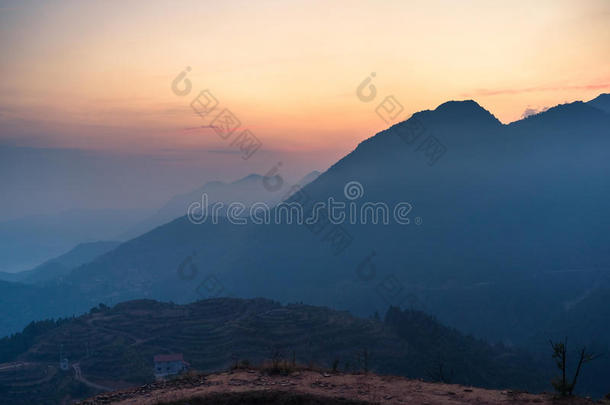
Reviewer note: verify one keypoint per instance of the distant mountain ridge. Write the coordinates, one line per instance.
(62, 265)
(602, 102)
(246, 190)
(30, 241)
(504, 213)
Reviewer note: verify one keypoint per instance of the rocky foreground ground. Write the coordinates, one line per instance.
(309, 387)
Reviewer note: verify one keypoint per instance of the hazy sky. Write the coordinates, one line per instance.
(97, 74)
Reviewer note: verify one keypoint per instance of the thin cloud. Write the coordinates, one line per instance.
(533, 111)
(224, 151)
(497, 92)
(197, 128)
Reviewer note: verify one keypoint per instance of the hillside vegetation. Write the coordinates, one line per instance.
(113, 347)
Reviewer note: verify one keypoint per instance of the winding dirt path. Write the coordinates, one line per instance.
(78, 375)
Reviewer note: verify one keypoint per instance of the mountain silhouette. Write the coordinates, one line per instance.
(602, 102)
(30, 241)
(246, 190)
(508, 219)
(62, 265)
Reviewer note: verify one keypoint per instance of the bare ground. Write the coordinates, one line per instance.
(310, 387)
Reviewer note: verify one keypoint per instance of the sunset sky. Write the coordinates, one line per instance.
(97, 75)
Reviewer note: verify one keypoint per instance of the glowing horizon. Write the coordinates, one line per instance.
(98, 75)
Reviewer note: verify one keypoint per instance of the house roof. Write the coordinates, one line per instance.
(161, 358)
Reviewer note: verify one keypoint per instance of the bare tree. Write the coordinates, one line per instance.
(560, 355)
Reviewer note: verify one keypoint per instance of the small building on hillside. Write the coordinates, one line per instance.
(169, 364)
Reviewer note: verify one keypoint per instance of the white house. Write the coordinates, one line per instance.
(169, 364)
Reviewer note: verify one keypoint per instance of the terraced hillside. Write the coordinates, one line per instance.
(113, 348)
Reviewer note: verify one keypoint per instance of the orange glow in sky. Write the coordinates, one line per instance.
(98, 74)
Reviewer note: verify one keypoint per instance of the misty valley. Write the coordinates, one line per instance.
(304, 203)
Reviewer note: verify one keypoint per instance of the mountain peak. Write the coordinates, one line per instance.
(601, 102)
(465, 110)
(463, 104)
(602, 96)
(253, 177)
